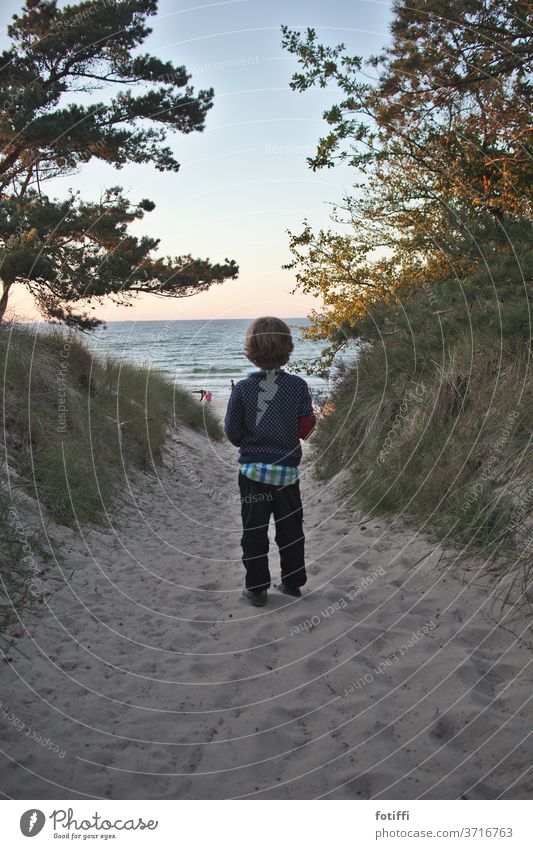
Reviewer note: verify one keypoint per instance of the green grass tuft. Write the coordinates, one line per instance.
(61, 407)
(434, 420)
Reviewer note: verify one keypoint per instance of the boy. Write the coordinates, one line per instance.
(267, 414)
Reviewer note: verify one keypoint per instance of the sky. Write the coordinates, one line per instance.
(244, 181)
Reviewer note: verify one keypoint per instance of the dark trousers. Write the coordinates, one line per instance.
(258, 502)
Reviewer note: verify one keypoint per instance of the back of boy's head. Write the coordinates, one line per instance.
(268, 343)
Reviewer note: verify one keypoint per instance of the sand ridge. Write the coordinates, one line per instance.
(388, 679)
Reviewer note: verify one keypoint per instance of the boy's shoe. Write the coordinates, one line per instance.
(256, 597)
(288, 590)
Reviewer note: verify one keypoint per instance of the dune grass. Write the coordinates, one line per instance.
(62, 407)
(434, 421)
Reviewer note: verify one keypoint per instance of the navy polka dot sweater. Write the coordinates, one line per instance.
(262, 417)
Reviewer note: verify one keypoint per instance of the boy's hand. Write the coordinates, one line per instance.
(306, 425)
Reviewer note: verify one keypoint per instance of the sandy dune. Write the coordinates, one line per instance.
(153, 678)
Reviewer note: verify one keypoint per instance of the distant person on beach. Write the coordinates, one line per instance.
(268, 412)
(208, 396)
(231, 386)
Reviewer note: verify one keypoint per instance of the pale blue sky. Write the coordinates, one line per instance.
(244, 181)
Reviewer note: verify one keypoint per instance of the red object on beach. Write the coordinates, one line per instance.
(306, 425)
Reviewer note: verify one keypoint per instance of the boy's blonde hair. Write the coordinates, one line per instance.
(268, 342)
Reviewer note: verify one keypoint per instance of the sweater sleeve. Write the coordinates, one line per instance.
(234, 421)
(306, 405)
(306, 416)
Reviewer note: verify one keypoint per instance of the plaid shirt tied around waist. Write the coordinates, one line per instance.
(270, 473)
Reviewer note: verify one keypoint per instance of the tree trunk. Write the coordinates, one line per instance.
(4, 298)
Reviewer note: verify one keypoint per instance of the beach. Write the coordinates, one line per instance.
(319, 216)
(144, 673)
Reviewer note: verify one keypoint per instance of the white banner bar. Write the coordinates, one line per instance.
(267, 824)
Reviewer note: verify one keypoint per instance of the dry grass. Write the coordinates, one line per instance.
(61, 408)
(438, 430)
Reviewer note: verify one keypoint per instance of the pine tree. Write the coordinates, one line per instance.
(68, 252)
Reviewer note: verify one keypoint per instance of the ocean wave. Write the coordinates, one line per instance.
(214, 370)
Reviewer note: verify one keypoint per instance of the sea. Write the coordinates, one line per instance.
(201, 354)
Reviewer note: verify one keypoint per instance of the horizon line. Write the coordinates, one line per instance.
(152, 320)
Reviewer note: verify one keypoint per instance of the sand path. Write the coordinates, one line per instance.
(388, 679)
